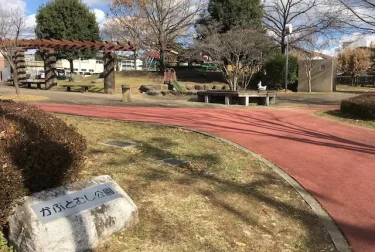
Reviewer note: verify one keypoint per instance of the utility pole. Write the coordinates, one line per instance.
(289, 31)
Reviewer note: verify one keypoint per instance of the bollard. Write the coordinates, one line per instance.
(125, 93)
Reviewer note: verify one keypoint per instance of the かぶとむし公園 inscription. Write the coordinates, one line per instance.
(73, 203)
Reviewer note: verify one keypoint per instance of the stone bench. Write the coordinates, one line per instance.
(29, 82)
(240, 97)
(84, 87)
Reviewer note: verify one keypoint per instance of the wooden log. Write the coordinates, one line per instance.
(109, 72)
(21, 66)
(50, 70)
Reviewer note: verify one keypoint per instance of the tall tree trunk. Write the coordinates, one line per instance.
(116, 61)
(309, 80)
(283, 44)
(162, 60)
(16, 82)
(135, 60)
(71, 66)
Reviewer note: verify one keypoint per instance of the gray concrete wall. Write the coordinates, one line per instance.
(322, 76)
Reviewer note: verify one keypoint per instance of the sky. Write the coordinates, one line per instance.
(30, 8)
(100, 8)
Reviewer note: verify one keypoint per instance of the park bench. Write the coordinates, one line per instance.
(29, 82)
(84, 87)
(240, 97)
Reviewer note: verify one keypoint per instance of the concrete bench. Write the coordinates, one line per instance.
(84, 87)
(240, 97)
(29, 82)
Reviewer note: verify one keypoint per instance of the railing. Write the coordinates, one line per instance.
(363, 80)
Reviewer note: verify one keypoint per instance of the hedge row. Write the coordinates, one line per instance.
(362, 106)
(38, 150)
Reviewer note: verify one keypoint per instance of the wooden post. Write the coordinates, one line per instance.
(50, 70)
(21, 66)
(109, 72)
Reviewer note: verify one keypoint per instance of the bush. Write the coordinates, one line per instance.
(275, 69)
(362, 106)
(38, 150)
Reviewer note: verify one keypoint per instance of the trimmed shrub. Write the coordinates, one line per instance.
(275, 68)
(362, 106)
(38, 150)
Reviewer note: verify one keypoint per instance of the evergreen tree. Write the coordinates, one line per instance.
(230, 13)
(67, 19)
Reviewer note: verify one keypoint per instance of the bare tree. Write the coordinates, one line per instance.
(310, 51)
(12, 28)
(307, 16)
(241, 48)
(157, 23)
(359, 15)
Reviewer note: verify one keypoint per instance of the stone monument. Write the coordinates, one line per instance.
(76, 217)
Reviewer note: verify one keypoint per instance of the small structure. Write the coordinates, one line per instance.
(49, 47)
(170, 78)
(237, 97)
(323, 75)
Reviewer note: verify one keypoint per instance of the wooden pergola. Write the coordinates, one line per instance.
(50, 46)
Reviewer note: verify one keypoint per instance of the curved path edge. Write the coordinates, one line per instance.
(332, 162)
(335, 233)
(333, 230)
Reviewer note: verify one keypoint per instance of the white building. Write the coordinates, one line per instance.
(89, 65)
(129, 65)
(97, 65)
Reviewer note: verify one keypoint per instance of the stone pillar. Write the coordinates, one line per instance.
(50, 69)
(109, 72)
(21, 66)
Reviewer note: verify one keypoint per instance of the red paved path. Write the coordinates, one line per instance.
(335, 162)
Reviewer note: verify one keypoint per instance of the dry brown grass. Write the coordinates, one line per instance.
(348, 88)
(337, 115)
(120, 79)
(224, 200)
(124, 78)
(22, 97)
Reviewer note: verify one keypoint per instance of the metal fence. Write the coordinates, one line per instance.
(363, 80)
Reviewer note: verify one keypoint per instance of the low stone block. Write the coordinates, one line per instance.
(154, 92)
(76, 217)
(207, 87)
(146, 88)
(198, 87)
(189, 87)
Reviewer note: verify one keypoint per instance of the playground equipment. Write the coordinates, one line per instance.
(170, 78)
(152, 60)
(151, 63)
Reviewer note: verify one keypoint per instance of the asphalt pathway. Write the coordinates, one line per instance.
(333, 161)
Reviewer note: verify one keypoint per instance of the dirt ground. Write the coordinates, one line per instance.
(138, 99)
